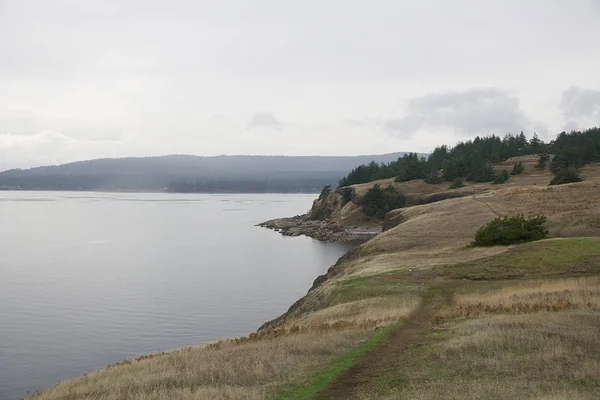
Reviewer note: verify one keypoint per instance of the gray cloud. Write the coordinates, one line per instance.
(19, 122)
(362, 123)
(265, 119)
(479, 111)
(580, 107)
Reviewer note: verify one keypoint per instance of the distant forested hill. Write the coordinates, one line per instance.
(185, 173)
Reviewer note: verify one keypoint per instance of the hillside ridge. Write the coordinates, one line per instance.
(187, 173)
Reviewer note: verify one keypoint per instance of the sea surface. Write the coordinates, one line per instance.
(90, 279)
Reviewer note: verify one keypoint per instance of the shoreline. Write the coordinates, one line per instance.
(325, 231)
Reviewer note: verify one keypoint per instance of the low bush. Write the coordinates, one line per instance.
(325, 192)
(433, 179)
(347, 196)
(501, 178)
(563, 176)
(518, 168)
(377, 202)
(456, 183)
(541, 164)
(511, 230)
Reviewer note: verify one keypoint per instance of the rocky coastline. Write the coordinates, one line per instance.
(326, 231)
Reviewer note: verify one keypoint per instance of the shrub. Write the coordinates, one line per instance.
(325, 192)
(541, 164)
(433, 179)
(378, 202)
(456, 183)
(502, 178)
(518, 168)
(511, 230)
(347, 196)
(567, 175)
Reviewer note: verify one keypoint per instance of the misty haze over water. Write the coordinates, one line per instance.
(89, 279)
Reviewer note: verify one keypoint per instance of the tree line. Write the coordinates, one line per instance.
(474, 159)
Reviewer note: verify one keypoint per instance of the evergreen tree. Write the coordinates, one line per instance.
(541, 164)
(501, 178)
(536, 146)
(474, 159)
(518, 168)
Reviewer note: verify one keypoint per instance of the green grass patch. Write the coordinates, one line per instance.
(335, 368)
(355, 289)
(360, 289)
(557, 257)
(372, 278)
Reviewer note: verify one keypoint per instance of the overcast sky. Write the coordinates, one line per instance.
(88, 79)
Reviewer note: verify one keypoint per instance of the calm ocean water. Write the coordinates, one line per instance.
(89, 279)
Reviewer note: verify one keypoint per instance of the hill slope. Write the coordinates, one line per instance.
(185, 173)
(351, 213)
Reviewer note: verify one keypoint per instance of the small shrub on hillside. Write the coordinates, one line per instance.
(347, 196)
(325, 192)
(433, 179)
(511, 230)
(377, 202)
(502, 178)
(541, 164)
(456, 183)
(393, 198)
(518, 168)
(563, 176)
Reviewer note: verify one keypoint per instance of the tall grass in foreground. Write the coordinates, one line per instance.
(536, 296)
(536, 339)
(528, 356)
(335, 368)
(229, 371)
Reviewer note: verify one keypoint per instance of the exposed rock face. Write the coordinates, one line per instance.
(321, 230)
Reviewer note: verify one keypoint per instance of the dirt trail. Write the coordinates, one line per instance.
(487, 205)
(389, 352)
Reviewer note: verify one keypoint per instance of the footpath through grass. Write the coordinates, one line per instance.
(335, 368)
(549, 259)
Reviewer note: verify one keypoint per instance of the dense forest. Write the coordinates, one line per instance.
(474, 160)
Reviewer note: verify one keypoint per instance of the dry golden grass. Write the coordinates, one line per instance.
(544, 356)
(380, 310)
(431, 234)
(572, 209)
(525, 340)
(226, 371)
(535, 296)
(532, 177)
(437, 233)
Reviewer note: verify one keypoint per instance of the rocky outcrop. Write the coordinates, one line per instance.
(321, 230)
